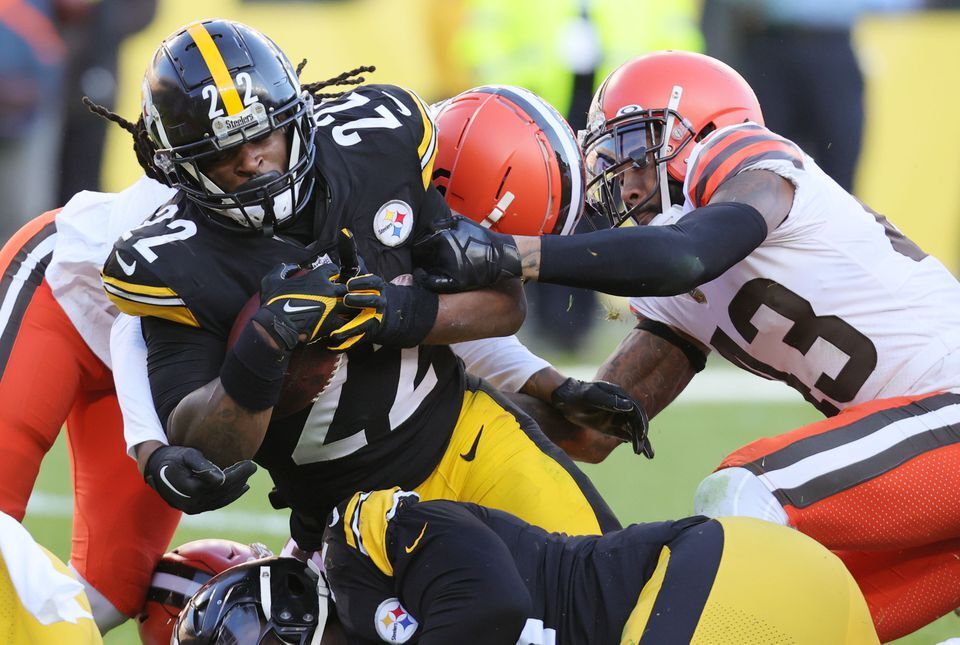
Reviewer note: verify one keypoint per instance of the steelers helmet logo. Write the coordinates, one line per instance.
(393, 623)
(393, 223)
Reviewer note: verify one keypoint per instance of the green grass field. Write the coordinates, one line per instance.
(689, 438)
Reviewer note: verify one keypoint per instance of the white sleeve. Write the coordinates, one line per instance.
(503, 361)
(129, 352)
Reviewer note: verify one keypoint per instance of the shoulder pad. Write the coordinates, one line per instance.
(379, 110)
(130, 276)
(728, 151)
(365, 520)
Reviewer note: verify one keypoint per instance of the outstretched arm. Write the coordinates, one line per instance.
(637, 261)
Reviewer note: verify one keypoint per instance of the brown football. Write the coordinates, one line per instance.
(309, 372)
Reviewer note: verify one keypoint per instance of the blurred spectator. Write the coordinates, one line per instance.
(93, 32)
(799, 59)
(31, 66)
(562, 49)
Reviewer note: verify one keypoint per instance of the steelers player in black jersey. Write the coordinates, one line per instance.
(438, 572)
(267, 181)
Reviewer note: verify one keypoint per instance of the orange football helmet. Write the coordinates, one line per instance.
(179, 574)
(508, 160)
(683, 94)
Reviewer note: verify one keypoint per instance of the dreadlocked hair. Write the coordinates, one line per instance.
(351, 77)
(144, 149)
(142, 146)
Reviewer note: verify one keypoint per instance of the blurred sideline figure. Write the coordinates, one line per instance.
(560, 51)
(31, 75)
(93, 39)
(746, 247)
(799, 59)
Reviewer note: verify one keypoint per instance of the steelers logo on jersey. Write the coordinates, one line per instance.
(394, 624)
(393, 223)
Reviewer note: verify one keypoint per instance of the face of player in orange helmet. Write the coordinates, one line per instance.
(644, 122)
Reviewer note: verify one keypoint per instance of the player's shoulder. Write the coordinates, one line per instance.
(728, 151)
(360, 523)
(142, 282)
(386, 126)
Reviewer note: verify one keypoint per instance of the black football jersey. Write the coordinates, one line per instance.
(388, 414)
(399, 568)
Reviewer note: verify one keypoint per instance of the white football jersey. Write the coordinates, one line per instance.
(836, 302)
(87, 227)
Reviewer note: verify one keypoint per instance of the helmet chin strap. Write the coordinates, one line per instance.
(323, 609)
(672, 106)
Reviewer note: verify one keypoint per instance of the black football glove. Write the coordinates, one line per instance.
(187, 481)
(366, 293)
(463, 256)
(368, 310)
(302, 304)
(604, 407)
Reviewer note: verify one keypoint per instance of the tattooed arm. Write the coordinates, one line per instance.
(652, 365)
(184, 364)
(650, 368)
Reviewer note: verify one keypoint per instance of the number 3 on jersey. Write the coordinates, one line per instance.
(805, 332)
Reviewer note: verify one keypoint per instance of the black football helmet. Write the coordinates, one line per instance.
(271, 601)
(212, 86)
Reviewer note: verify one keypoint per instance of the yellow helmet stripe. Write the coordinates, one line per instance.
(218, 69)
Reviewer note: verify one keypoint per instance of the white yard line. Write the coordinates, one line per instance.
(276, 523)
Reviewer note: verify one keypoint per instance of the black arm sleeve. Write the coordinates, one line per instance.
(655, 260)
(459, 579)
(180, 359)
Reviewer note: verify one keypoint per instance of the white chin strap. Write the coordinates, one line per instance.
(283, 203)
(667, 217)
(672, 106)
(323, 602)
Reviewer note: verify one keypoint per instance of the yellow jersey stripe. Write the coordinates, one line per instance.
(218, 68)
(178, 314)
(141, 289)
(427, 150)
(637, 621)
(348, 520)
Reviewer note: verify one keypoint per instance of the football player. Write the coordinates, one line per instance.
(40, 599)
(765, 259)
(266, 177)
(54, 369)
(449, 572)
(180, 574)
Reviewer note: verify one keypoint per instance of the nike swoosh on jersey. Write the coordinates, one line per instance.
(471, 454)
(163, 476)
(127, 268)
(334, 517)
(409, 549)
(292, 309)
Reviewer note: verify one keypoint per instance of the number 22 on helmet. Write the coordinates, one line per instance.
(508, 160)
(652, 110)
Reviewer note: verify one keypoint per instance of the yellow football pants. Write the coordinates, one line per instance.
(771, 585)
(495, 460)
